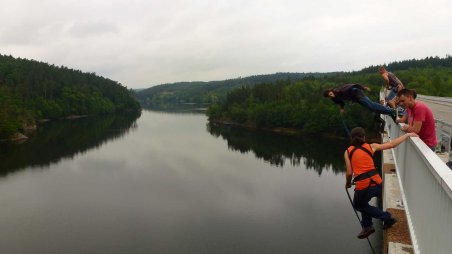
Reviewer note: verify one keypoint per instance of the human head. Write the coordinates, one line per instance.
(328, 93)
(406, 97)
(382, 70)
(358, 136)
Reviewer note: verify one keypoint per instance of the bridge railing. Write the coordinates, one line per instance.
(426, 186)
(444, 136)
(443, 128)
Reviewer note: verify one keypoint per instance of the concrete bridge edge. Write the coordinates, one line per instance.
(396, 240)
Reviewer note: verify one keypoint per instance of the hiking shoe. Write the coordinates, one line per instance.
(389, 222)
(366, 232)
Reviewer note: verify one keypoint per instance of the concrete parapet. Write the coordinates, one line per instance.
(396, 240)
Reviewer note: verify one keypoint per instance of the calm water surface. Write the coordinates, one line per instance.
(170, 183)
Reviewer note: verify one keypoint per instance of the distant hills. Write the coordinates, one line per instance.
(211, 91)
(214, 91)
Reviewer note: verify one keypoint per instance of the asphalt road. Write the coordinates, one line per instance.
(441, 107)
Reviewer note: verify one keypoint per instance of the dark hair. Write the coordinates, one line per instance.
(407, 92)
(326, 92)
(358, 136)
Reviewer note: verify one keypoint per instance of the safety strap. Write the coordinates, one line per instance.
(366, 175)
(350, 154)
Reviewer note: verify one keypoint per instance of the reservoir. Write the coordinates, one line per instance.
(168, 182)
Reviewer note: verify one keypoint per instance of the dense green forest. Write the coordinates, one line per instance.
(32, 90)
(215, 91)
(300, 105)
(208, 92)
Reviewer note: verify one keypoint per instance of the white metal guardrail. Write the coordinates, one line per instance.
(426, 186)
(444, 136)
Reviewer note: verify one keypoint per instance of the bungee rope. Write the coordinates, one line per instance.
(345, 127)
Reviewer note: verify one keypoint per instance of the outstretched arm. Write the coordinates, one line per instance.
(392, 143)
(362, 87)
(341, 104)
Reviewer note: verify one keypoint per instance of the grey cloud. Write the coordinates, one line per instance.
(141, 43)
(86, 29)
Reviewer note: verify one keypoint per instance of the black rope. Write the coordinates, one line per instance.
(345, 127)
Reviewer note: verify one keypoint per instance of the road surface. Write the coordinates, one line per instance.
(441, 107)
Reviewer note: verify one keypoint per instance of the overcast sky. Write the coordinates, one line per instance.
(141, 43)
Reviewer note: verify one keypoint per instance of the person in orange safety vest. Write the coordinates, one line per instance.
(360, 165)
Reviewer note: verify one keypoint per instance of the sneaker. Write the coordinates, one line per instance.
(389, 222)
(366, 232)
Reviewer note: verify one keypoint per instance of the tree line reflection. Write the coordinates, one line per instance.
(57, 140)
(315, 153)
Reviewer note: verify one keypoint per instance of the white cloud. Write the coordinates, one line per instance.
(141, 43)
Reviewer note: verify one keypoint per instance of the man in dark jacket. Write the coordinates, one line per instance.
(355, 93)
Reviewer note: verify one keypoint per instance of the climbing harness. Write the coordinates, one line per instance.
(367, 174)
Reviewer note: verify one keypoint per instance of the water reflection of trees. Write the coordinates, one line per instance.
(57, 140)
(314, 152)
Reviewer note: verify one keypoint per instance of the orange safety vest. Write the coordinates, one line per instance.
(362, 162)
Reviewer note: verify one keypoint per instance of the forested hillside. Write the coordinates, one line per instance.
(215, 91)
(32, 90)
(209, 92)
(300, 104)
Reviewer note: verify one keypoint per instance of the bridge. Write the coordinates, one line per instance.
(418, 187)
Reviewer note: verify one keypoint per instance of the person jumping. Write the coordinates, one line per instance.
(355, 93)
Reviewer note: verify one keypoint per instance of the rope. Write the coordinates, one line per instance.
(345, 127)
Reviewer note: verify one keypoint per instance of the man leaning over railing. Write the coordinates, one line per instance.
(419, 118)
